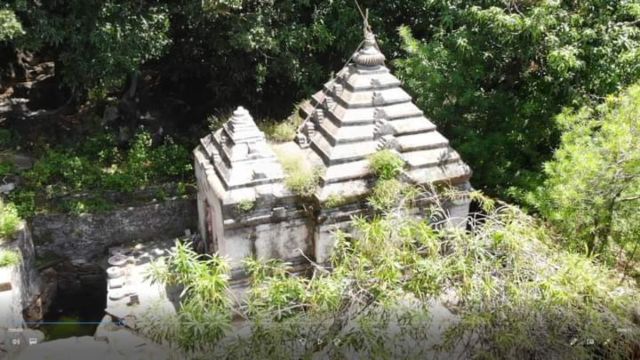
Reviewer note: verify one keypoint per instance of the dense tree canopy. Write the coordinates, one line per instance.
(592, 190)
(494, 74)
(540, 97)
(491, 74)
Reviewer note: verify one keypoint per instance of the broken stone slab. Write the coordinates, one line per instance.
(114, 272)
(116, 283)
(118, 260)
(120, 293)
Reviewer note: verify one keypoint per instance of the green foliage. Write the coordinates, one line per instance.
(386, 194)
(513, 289)
(301, 179)
(269, 54)
(205, 312)
(386, 164)
(334, 201)
(98, 165)
(7, 168)
(245, 206)
(592, 191)
(9, 220)
(96, 43)
(10, 26)
(559, 304)
(494, 74)
(25, 202)
(279, 132)
(9, 258)
(562, 304)
(282, 131)
(89, 205)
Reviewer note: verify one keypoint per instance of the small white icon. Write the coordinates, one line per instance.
(33, 341)
(15, 342)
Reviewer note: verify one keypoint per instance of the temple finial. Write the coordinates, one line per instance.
(369, 55)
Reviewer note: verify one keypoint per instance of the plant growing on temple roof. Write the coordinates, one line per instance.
(386, 194)
(335, 200)
(386, 164)
(245, 206)
(300, 177)
(282, 131)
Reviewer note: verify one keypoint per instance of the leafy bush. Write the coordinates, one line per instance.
(10, 26)
(98, 165)
(9, 258)
(24, 201)
(493, 75)
(111, 40)
(592, 192)
(89, 205)
(9, 220)
(282, 131)
(7, 168)
(513, 289)
(386, 194)
(205, 312)
(279, 132)
(386, 164)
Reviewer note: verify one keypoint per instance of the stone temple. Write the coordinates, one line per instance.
(245, 208)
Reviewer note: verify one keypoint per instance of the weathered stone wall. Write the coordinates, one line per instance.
(88, 236)
(20, 284)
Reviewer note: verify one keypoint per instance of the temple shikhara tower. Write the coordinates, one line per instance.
(245, 208)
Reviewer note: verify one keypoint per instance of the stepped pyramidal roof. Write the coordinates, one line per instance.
(240, 154)
(363, 110)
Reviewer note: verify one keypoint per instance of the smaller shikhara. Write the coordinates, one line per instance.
(285, 201)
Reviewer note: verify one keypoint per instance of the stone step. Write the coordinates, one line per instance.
(359, 81)
(351, 117)
(428, 158)
(346, 134)
(422, 141)
(347, 171)
(351, 188)
(365, 98)
(450, 173)
(341, 153)
(402, 111)
(414, 125)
